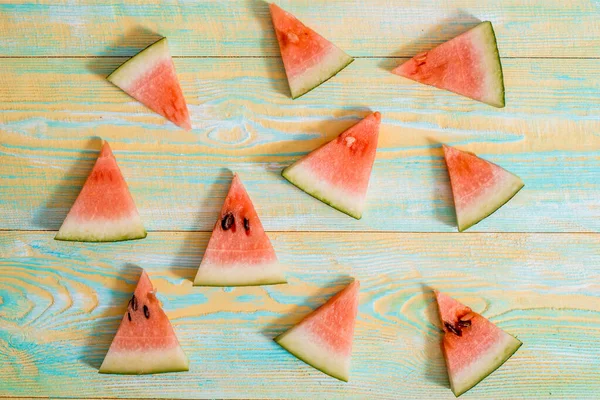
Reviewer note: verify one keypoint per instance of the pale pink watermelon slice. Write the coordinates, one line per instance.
(309, 59)
(323, 339)
(239, 252)
(479, 187)
(338, 173)
(150, 78)
(104, 210)
(473, 346)
(145, 342)
(468, 65)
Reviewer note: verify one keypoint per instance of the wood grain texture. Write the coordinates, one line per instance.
(536, 28)
(53, 112)
(61, 303)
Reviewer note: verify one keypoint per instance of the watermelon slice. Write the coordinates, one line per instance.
(479, 187)
(468, 65)
(104, 210)
(145, 342)
(473, 346)
(324, 338)
(338, 173)
(150, 78)
(239, 252)
(309, 59)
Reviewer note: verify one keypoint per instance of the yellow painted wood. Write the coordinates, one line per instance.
(62, 302)
(535, 28)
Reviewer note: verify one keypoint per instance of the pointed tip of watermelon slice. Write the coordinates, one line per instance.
(106, 151)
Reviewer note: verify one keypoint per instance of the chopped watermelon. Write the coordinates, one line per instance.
(479, 187)
(468, 65)
(473, 346)
(338, 173)
(239, 252)
(104, 210)
(323, 339)
(150, 78)
(145, 342)
(309, 59)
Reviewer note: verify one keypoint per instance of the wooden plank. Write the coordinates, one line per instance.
(536, 28)
(61, 303)
(53, 111)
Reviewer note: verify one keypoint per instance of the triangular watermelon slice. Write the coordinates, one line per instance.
(239, 252)
(473, 346)
(150, 78)
(468, 65)
(145, 342)
(479, 187)
(323, 339)
(104, 210)
(338, 173)
(309, 59)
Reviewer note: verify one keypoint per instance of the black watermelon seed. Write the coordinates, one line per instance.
(129, 316)
(146, 312)
(453, 329)
(227, 221)
(464, 324)
(246, 224)
(133, 303)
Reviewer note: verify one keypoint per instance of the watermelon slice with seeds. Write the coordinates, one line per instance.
(323, 339)
(479, 187)
(338, 173)
(150, 78)
(145, 342)
(104, 211)
(468, 65)
(309, 59)
(239, 252)
(473, 346)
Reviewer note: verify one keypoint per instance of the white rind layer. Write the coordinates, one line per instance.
(332, 63)
(309, 348)
(484, 39)
(126, 75)
(304, 177)
(101, 230)
(485, 364)
(145, 362)
(239, 274)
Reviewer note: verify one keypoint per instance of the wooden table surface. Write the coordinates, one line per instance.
(533, 267)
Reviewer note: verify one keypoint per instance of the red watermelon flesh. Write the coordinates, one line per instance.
(479, 187)
(145, 342)
(473, 346)
(104, 210)
(338, 173)
(468, 65)
(324, 338)
(239, 252)
(309, 59)
(150, 78)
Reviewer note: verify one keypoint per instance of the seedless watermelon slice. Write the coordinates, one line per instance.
(468, 65)
(338, 173)
(479, 187)
(145, 342)
(104, 210)
(309, 59)
(324, 338)
(473, 346)
(239, 252)
(150, 78)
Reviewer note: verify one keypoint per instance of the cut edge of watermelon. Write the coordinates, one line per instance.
(302, 177)
(130, 228)
(153, 362)
(240, 275)
(332, 64)
(306, 346)
(496, 94)
(484, 366)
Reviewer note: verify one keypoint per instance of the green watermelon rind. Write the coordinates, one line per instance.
(506, 355)
(279, 340)
(506, 199)
(501, 100)
(157, 371)
(336, 71)
(127, 70)
(318, 196)
(72, 236)
(183, 365)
